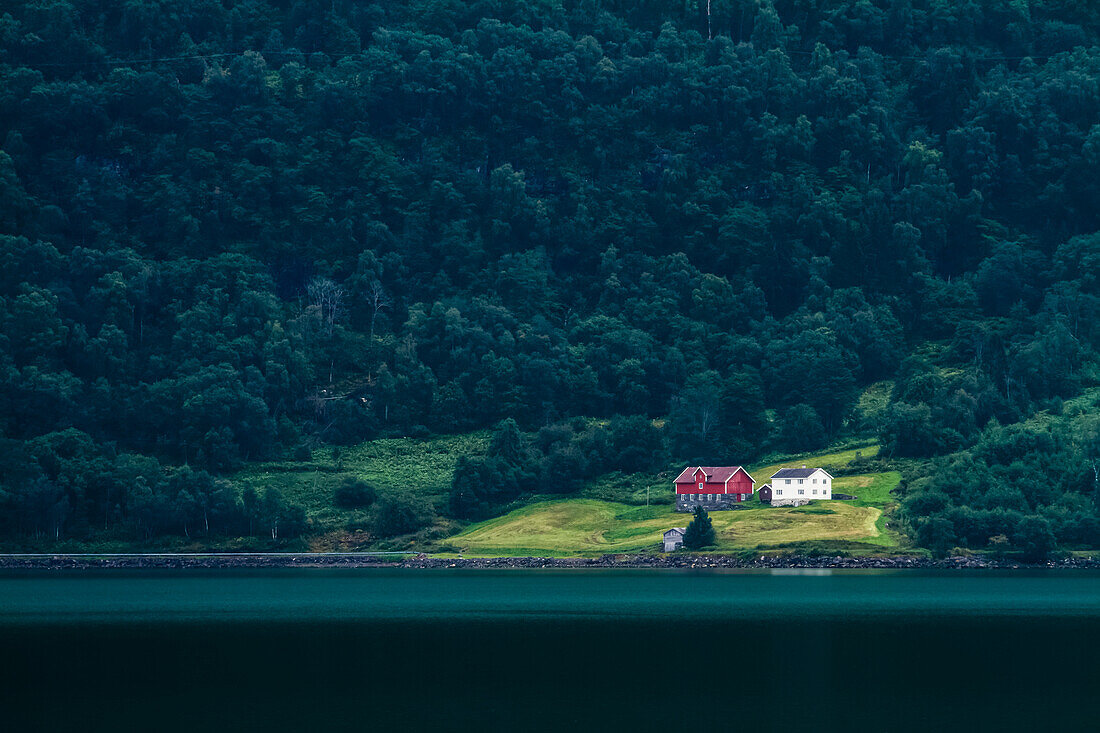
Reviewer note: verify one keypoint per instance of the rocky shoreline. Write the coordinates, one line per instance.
(352, 560)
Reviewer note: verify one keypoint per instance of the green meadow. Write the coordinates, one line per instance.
(392, 465)
(594, 527)
(613, 513)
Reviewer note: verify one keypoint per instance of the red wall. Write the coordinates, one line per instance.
(708, 488)
(739, 484)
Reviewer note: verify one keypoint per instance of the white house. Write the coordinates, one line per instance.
(674, 539)
(797, 486)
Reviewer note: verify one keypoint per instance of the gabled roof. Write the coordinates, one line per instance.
(715, 474)
(765, 486)
(681, 530)
(799, 472)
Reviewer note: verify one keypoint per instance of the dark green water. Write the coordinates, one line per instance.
(317, 650)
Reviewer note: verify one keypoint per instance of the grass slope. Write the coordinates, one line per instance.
(389, 464)
(608, 515)
(834, 462)
(585, 526)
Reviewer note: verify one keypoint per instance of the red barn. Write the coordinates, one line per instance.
(712, 487)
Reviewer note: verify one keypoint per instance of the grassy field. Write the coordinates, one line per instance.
(594, 527)
(832, 462)
(388, 464)
(608, 515)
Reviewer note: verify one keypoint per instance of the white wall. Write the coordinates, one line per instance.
(818, 481)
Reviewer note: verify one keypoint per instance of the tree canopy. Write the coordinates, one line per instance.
(231, 230)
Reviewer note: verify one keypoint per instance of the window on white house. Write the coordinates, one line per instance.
(779, 492)
(801, 491)
(801, 481)
(815, 492)
(815, 481)
(788, 481)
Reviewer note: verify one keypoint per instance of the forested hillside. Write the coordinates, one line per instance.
(236, 230)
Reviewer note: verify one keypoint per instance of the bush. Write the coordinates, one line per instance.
(398, 515)
(303, 453)
(1034, 538)
(637, 444)
(292, 522)
(937, 533)
(563, 471)
(354, 493)
(801, 430)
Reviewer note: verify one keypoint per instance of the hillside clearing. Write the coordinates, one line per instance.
(831, 462)
(591, 526)
(608, 515)
(393, 465)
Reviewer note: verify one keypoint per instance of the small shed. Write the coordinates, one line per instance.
(674, 539)
(765, 494)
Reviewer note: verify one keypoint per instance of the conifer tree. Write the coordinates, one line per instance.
(700, 533)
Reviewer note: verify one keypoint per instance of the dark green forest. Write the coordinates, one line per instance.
(236, 230)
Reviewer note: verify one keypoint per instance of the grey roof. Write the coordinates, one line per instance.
(681, 530)
(795, 472)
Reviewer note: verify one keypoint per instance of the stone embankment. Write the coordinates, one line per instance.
(674, 561)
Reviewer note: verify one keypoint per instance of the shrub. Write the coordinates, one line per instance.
(801, 429)
(1034, 538)
(398, 514)
(354, 493)
(563, 471)
(293, 522)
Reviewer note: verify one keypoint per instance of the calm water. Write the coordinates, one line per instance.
(363, 650)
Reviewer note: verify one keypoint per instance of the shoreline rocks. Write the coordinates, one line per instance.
(676, 561)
